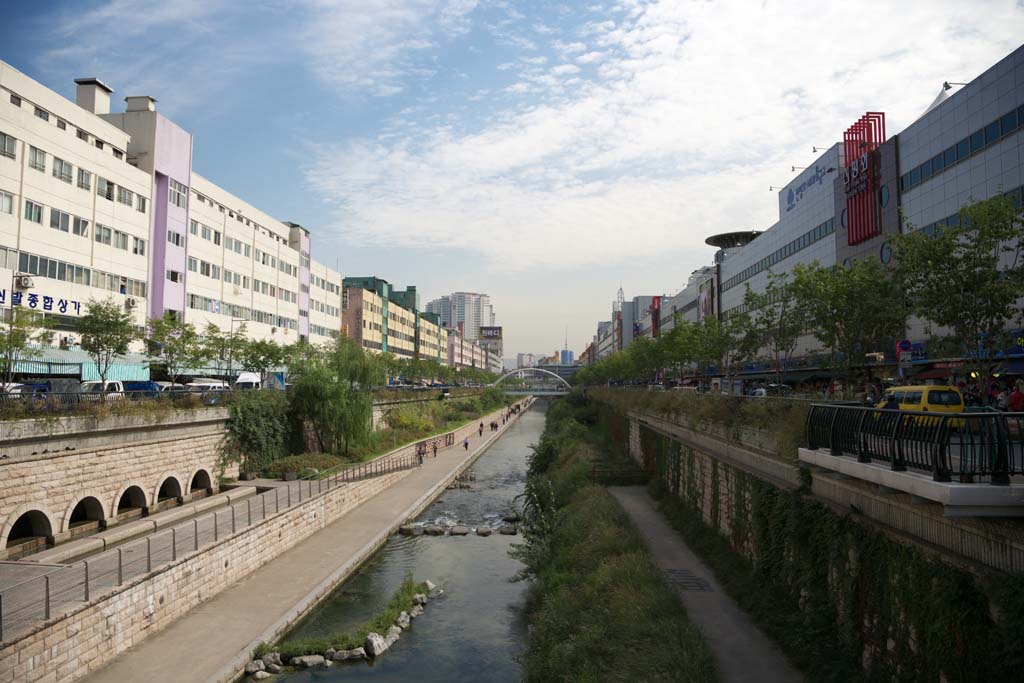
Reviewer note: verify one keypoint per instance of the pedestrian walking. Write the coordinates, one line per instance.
(435, 449)
(465, 444)
(419, 454)
(1016, 401)
(481, 429)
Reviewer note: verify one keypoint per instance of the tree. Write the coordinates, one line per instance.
(333, 393)
(177, 343)
(969, 277)
(852, 311)
(718, 342)
(106, 330)
(261, 355)
(24, 328)
(775, 322)
(223, 346)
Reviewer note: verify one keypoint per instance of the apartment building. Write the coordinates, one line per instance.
(97, 205)
(380, 318)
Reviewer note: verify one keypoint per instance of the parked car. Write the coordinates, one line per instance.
(926, 398)
(141, 389)
(95, 389)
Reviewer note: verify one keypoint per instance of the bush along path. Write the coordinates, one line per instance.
(599, 608)
(368, 641)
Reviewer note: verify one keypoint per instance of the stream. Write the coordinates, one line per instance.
(476, 629)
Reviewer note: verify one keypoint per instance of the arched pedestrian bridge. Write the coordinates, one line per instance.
(541, 383)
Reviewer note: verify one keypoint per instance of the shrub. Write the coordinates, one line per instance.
(257, 429)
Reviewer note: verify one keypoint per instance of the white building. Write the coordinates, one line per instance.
(98, 205)
(471, 309)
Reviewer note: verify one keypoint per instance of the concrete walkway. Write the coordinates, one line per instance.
(741, 652)
(214, 640)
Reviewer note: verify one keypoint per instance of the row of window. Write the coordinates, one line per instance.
(322, 331)
(204, 303)
(237, 216)
(1016, 194)
(324, 284)
(62, 170)
(79, 275)
(321, 307)
(235, 245)
(970, 145)
(65, 222)
(203, 268)
(800, 243)
(81, 134)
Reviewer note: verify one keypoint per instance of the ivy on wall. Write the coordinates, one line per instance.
(845, 601)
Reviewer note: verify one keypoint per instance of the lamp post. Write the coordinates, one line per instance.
(231, 346)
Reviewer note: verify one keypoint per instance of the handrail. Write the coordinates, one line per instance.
(966, 447)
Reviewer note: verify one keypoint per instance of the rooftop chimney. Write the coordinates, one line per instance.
(93, 95)
(140, 103)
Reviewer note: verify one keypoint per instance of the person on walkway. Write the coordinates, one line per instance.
(1016, 402)
(435, 449)
(419, 454)
(481, 429)
(465, 443)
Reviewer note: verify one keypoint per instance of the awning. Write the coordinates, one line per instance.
(1013, 366)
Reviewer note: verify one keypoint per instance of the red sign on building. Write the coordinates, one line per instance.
(860, 177)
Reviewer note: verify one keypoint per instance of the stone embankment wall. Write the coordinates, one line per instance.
(809, 554)
(50, 466)
(70, 646)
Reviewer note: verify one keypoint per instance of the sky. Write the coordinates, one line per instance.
(542, 152)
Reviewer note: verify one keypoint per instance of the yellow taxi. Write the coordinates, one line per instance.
(926, 398)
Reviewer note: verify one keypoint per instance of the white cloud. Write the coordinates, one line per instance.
(695, 110)
(565, 69)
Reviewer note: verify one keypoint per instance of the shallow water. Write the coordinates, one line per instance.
(475, 630)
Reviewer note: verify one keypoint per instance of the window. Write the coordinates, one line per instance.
(120, 240)
(103, 234)
(62, 170)
(80, 227)
(138, 246)
(216, 237)
(140, 203)
(991, 132)
(193, 264)
(177, 194)
(7, 147)
(125, 196)
(104, 188)
(247, 250)
(82, 135)
(175, 276)
(60, 220)
(15, 100)
(193, 228)
(6, 203)
(84, 179)
(37, 158)
(938, 397)
(33, 212)
(43, 114)
(175, 238)
(99, 144)
(977, 140)
(118, 154)
(61, 124)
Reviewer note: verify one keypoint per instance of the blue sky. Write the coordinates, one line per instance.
(543, 152)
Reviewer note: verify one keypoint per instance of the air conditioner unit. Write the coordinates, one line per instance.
(237, 291)
(273, 330)
(24, 282)
(131, 302)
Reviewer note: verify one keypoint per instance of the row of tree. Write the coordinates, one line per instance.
(107, 330)
(965, 280)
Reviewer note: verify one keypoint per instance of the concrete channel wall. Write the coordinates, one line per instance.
(994, 543)
(81, 641)
(50, 466)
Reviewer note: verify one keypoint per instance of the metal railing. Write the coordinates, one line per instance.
(969, 447)
(37, 599)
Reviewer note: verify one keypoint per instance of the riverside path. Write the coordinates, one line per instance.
(742, 653)
(215, 640)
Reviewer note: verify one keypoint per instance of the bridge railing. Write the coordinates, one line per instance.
(968, 447)
(42, 597)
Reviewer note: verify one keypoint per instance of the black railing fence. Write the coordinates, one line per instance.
(966, 447)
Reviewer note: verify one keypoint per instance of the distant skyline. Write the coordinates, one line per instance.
(541, 152)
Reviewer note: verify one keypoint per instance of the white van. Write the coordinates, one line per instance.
(248, 380)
